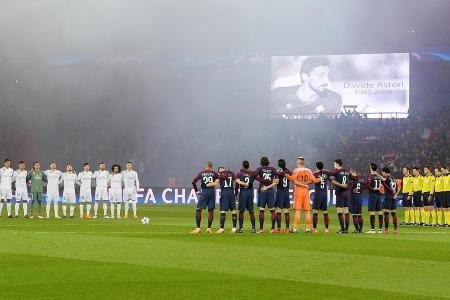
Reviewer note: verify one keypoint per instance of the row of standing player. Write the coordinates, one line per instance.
(348, 188)
(115, 187)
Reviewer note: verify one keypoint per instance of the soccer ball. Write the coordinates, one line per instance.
(145, 220)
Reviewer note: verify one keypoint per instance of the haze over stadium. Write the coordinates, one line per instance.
(162, 88)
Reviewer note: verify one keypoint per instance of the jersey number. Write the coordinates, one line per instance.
(207, 179)
(228, 183)
(377, 184)
(267, 176)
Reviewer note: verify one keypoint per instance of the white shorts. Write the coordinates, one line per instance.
(101, 193)
(130, 195)
(22, 195)
(115, 196)
(5, 194)
(85, 196)
(52, 196)
(69, 198)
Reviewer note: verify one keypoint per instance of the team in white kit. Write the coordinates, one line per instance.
(114, 188)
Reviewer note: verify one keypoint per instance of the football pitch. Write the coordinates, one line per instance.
(123, 259)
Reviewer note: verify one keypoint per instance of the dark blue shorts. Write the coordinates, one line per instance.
(438, 199)
(283, 200)
(266, 198)
(374, 202)
(342, 199)
(426, 201)
(227, 201)
(389, 203)
(320, 201)
(356, 204)
(445, 200)
(246, 200)
(405, 201)
(417, 199)
(207, 199)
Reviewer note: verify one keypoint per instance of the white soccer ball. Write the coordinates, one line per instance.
(145, 220)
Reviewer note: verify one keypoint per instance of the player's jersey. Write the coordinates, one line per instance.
(417, 183)
(373, 184)
(53, 177)
(20, 177)
(206, 177)
(357, 186)
(130, 179)
(439, 184)
(321, 186)
(247, 177)
(37, 181)
(266, 175)
(68, 180)
(85, 180)
(283, 184)
(447, 183)
(227, 184)
(6, 178)
(390, 186)
(116, 181)
(407, 185)
(342, 176)
(101, 178)
(428, 184)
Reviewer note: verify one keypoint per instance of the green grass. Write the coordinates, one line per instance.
(123, 259)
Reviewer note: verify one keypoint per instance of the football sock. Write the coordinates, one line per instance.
(261, 219)
(417, 216)
(198, 217)
(234, 219)
(112, 209)
(105, 208)
(16, 208)
(380, 221)
(47, 209)
(88, 209)
(241, 219)
(64, 209)
(273, 218)
(372, 222)
(308, 219)
(8, 208)
(425, 216)
(72, 208)
(39, 207)
(210, 218)
(386, 220)
(315, 220)
(279, 220)
(341, 221)
(252, 219)
(222, 219)
(133, 205)
(394, 219)
(326, 220)
(296, 218)
(287, 219)
(127, 207)
(81, 209)
(1, 207)
(406, 216)
(95, 208)
(25, 208)
(447, 217)
(355, 221)
(360, 222)
(347, 221)
(439, 217)
(433, 216)
(119, 207)
(55, 208)
(412, 216)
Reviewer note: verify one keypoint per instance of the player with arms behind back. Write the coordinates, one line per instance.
(244, 190)
(6, 177)
(407, 193)
(53, 176)
(207, 198)
(115, 180)
(131, 186)
(21, 195)
(101, 189)
(68, 179)
(85, 181)
(357, 186)
(320, 201)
